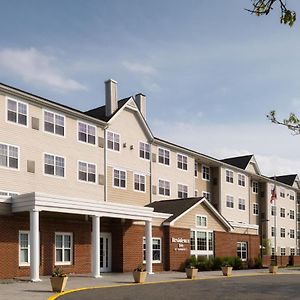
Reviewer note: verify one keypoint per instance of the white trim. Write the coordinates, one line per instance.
(207, 193)
(255, 193)
(63, 262)
(243, 176)
(183, 155)
(24, 264)
(163, 164)
(209, 173)
(55, 176)
(196, 221)
(120, 141)
(87, 173)
(242, 210)
(55, 113)
(230, 177)
(243, 225)
(284, 213)
(6, 112)
(96, 133)
(255, 203)
(138, 147)
(133, 180)
(187, 190)
(19, 157)
(160, 250)
(232, 201)
(113, 179)
(165, 180)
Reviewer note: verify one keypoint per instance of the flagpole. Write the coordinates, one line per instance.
(275, 221)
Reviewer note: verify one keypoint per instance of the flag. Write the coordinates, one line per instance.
(273, 194)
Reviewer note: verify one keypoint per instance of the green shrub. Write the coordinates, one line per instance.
(258, 263)
(236, 263)
(217, 263)
(192, 262)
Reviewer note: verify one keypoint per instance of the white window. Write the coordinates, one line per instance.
(113, 141)
(54, 165)
(282, 232)
(144, 150)
(196, 169)
(272, 251)
(241, 250)
(282, 251)
(86, 133)
(292, 214)
(24, 248)
(9, 156)
(206, 195)
(273, 210)
(255, 187)
(205, 173)
(182, 191)
(282, 212)
(292, 250)
(201, 243)
(139, 182)
(164, 156)
(229, 201)
(242, 204)
(156, 250)
(229, 176)
(119, 178)
(8, 194)
(292, 197)
(164, 187)
(54, 123)
(63, 248)
(241, 180)
(292, 233)
(86, 172)
(282, 193)
(273, 231)
(201, 221)
(255, 209)
(17, 112)
(181, 162)
(196, 193)
(298, 251)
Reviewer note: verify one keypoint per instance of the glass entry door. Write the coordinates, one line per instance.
(105, 252)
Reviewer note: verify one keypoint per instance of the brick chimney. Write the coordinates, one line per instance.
(111, 100)
(140, 100)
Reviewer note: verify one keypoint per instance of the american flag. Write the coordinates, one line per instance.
(273, 194)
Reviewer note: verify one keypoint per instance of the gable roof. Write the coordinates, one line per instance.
(238, 161)
(178, 207)
(286, 179)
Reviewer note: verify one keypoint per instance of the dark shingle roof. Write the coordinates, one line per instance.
(99, 112)
(286, 179)
(175, 207)
(239, 161)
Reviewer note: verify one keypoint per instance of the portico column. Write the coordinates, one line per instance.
(149, 247)
(96, 247)
(34, 246)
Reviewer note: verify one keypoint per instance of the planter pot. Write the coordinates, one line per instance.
(227, 271)
(191, 273)
(58, 283)
(139, 277)
(273, 269)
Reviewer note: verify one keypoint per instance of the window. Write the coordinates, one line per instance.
(8, 194)
(273, 231)
(196, 169)
(292, 197)
(229, 176)
(242, 204)
(205, 173)
(156, 250)
(182, 191)
(242, 250)
(201, 221)
(201, 242)
(282, 212)
(206, 195)
(229, 201)
(292, 233)
(144, 150)
(17, 112)
(54, 123)
(24, 248)
(282, 232)
(298, 251)
(139, 182)
(86, 172)
(113, 141)
(164, 187)
(282, 251)
(164, 156)
(119, 178)
(196, 193)
(86, 133)
(255, 187)
(292, 250)
(54, 165)
(9, 156)
(298, 217)
(272, 251)
(292, 214)
(181, 162)
(63, 248)
(298, 234)
(255, 209)
(273, 210)
(282, 193)
(241, 180)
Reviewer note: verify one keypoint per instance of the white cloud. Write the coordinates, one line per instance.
(33, 66)
(139, 68)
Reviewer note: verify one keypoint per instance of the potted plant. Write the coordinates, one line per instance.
(191, 270)
(273, 267)
(139, 274)
(226, 268)
(58, 280)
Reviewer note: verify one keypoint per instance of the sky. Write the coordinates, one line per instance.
(210, 70)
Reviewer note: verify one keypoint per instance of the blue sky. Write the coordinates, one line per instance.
(210, 70)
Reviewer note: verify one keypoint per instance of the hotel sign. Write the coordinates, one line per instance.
(180, 243)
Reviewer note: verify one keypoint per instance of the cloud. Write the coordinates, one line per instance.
(33, 66)
(139, 68)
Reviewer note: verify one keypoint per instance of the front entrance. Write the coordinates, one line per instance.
(105, 252)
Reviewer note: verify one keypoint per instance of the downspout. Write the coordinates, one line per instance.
(151, 144)
(105, 166)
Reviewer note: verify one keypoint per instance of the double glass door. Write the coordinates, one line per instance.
(105, 252)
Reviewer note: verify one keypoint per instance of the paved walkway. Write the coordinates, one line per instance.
(26, 290)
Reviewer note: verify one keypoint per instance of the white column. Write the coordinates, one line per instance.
(96, 247)
(34, 246)
(149, 247)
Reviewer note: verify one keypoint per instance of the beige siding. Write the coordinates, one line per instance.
(245, 230)
(189, 219)
(254, 198)
(34, 143)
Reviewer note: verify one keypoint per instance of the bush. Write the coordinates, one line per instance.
(217, 263)
(192, 262)
(237, 263)
(258, 263)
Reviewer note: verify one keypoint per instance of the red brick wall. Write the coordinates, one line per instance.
(226, 242)
(282, 261)
(296, 260)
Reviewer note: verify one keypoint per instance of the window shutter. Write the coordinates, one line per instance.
(35, 123)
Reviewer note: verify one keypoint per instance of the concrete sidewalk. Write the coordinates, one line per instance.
(26, 290)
